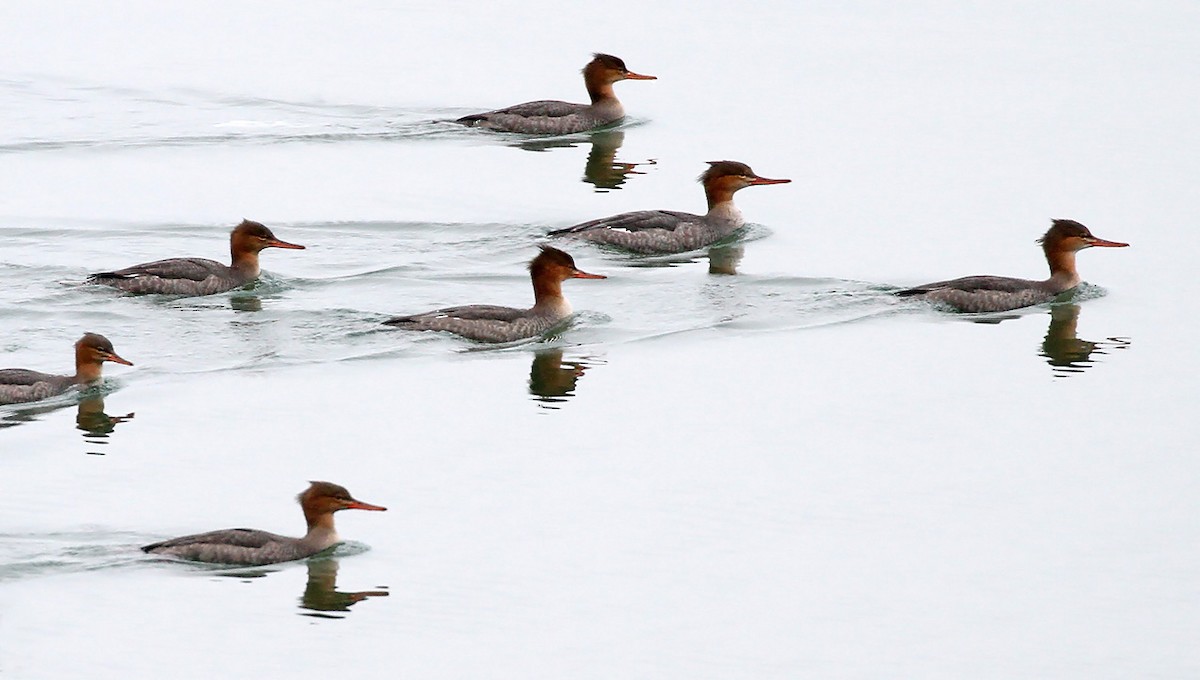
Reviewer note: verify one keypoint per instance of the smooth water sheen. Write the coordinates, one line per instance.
(750, 461)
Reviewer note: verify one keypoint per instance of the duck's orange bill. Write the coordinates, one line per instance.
(359, 505)
(284, 244)
(112, 356)
(637, 76)
(584, 275)
(1105, 244)
(765, 180)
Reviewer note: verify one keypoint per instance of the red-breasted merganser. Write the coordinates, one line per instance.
(999, 293)
(20, 385)
(198, 276)
(251, 546)
(562, 118)
(489, 323)
(666, 231)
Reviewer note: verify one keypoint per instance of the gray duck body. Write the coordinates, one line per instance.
(177, 276)
(977, 294)
(659, 231)
(243, 546)
(21, 385)
(485, 323)
(548, 117)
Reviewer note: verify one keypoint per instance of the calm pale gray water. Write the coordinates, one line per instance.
(745, 463)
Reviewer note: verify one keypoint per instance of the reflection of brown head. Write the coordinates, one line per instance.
(92, 419)
(550, 377)
(321, 593)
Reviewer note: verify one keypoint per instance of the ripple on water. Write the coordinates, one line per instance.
(92, 116)
(24, 556)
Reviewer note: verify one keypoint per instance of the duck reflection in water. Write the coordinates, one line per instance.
(90, 418)
(725, 259)
(321, 594)
(93, 421)
(552, 380)
(602, 169)
(722, 260)
(1067, 354)
(245, 303)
